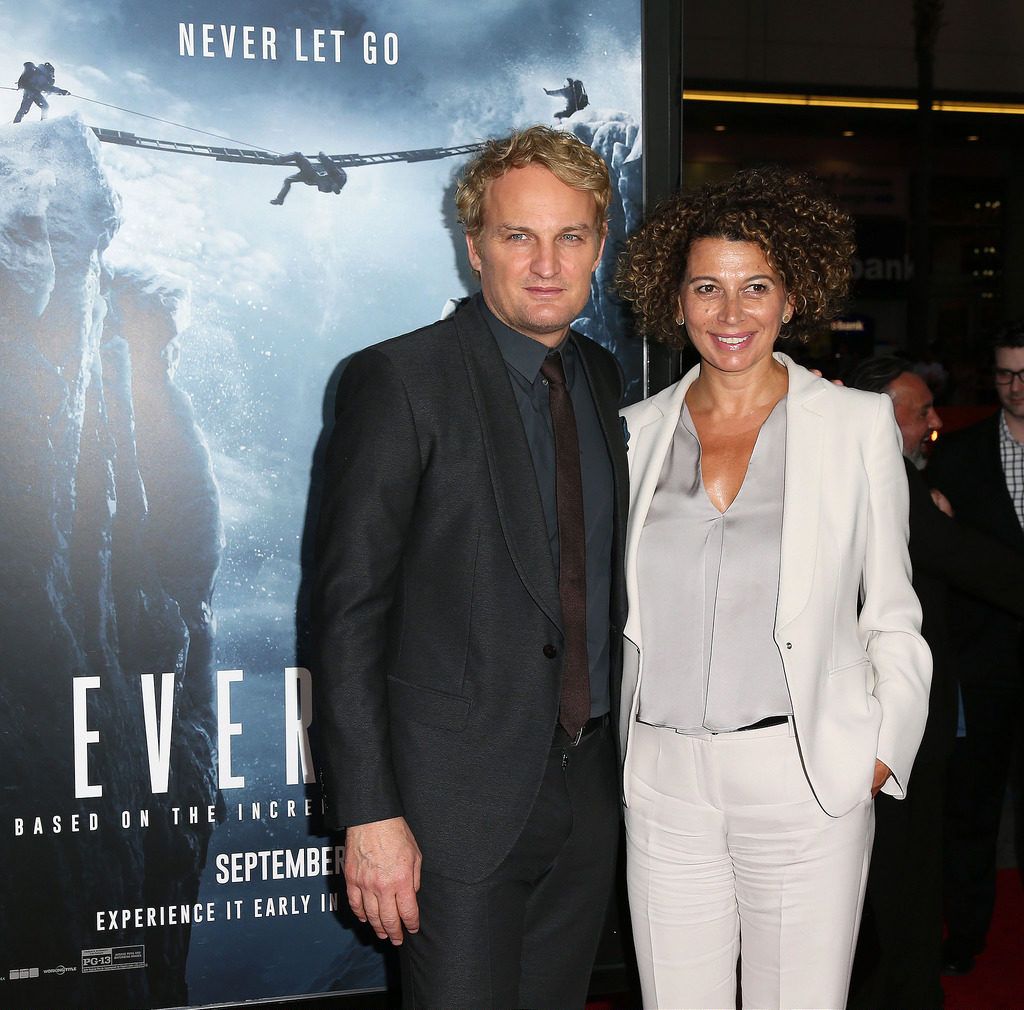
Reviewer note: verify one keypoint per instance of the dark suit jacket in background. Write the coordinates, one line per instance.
(437, 607)
(967, 468)
(948, 554)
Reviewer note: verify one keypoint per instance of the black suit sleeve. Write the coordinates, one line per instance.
(962, 557)
(619, 382)
(372, 476)
(946, 471)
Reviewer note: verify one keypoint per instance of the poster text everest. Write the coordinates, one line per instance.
(159, 723)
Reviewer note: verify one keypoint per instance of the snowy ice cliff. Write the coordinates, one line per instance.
(110, 538)
(617, 138)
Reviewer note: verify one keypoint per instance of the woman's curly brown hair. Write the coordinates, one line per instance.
(805, 237)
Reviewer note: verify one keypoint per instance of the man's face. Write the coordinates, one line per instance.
(539, 244)
(915, 414)
(1011, 394)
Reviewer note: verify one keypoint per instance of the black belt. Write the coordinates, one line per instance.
(772, 720)
(591, 726)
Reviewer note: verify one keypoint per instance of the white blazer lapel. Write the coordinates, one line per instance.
(651, 425)
(802, 491)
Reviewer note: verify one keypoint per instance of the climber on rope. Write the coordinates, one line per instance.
(37, 81)
(575, 96)
(328, 177)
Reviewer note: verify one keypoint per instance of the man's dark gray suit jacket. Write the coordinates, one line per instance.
(967, 468)
(437, 607)
(947, 554)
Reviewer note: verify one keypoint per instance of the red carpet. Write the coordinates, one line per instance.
(997, 982)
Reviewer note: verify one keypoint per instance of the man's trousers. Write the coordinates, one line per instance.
(526, 935)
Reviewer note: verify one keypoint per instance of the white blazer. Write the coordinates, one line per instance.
(858, 681)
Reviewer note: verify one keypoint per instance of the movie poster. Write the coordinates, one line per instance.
(204, 209)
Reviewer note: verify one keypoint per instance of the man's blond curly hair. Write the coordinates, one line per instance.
(562, 153)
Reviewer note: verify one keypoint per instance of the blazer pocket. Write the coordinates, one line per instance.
(427, 706)
(848, 667)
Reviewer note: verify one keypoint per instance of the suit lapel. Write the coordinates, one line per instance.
(606, 402)
(1003, 510)
(509, 461)
(803, 490)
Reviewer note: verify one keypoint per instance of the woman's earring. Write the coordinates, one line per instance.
(786, 318)
(679, 321)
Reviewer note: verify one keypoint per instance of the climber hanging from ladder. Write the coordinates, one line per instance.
(328, 178)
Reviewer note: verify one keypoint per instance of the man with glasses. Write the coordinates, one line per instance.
(981, 470)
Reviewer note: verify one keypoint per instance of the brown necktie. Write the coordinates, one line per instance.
(574, 705)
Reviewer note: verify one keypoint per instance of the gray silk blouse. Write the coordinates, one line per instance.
(709, 586)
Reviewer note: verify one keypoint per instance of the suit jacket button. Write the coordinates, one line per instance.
(550, 651)
(789, 645)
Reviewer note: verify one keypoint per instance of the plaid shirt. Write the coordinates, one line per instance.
(1011, 452)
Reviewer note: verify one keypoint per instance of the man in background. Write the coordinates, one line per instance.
(898, 951)
(470, 601)
(981, 470)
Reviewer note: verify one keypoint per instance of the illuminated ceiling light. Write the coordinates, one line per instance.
(849, 133)
(986, 108)
(756, 98)
(972, 137)
(848, 102)
(719, 128)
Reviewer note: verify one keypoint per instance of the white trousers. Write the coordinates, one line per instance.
(729, 855)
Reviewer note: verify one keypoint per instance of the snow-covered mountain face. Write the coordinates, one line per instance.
(111, 538)
(617, 138)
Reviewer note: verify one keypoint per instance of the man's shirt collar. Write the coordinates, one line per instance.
(1006, 436)
(523, 353)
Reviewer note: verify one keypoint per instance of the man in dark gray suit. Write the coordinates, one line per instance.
(470, 599)
(981, 470)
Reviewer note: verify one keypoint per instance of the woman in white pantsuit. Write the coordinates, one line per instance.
(775, 678)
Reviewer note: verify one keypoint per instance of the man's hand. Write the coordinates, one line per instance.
(942, 502)
(882, 773)
(382, 876)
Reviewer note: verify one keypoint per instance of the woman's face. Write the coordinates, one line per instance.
(733, 304)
